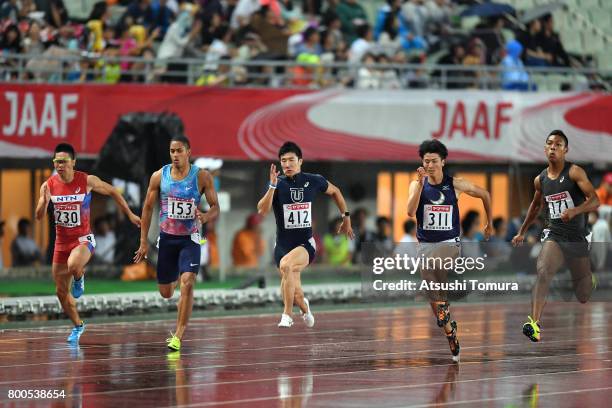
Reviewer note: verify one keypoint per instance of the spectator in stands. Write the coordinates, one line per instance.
(141, 12)
(24, 250)
(476, 55)
(551, 44)
(33, 44)
(161, 17)
(415, 15)
(273, 34)
(9, 11)
(96, 24)
(362, 45)
(55, 11)
(408, 243)
(388, 76)
(604, 192)
(470, 230)
(352, 15)
(337, 246)
(243, 12)
(490, 33)
(310, 43)
(389, 24)
(600, 240)
(249, 245)
(454, 79)
(368, 77)
(534, 56)
(26, 7)
(499, 247)
(105, 241)
(109, 67)
(383, 240)
(514, 76)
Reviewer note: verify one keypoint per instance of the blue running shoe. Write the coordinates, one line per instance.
(76, 333)
(78, 287)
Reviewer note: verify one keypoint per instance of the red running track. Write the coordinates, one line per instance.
(366, 358)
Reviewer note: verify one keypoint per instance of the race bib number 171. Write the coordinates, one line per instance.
(557, 203)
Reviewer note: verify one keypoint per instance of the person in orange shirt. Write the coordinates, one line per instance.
(604, 192)
(248, 244)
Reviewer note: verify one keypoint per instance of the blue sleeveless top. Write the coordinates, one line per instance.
(178, 202)
(438, 213)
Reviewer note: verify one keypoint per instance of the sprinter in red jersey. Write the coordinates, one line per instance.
(70, 192)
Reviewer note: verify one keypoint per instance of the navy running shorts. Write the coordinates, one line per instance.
(280, 251)
(177, 254)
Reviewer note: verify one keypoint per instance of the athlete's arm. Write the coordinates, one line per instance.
(414, 192)
(147, 212)
(578, 175)
(102, 187)
(265, 204)
(205, 180)
(43, 201)
(532, 213)
(465, 186)
(336, 194)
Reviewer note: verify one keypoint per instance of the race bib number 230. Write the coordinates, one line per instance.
(67, 215)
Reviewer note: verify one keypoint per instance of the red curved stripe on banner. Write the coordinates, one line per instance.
(595, 116)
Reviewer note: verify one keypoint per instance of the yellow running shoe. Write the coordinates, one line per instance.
(174, 343)
(531, 329)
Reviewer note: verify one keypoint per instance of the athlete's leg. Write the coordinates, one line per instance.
(549, 262)
(77, 260)
(185, 303)
(291, 265)
(167, 289)
(582, 277)
(62, 279)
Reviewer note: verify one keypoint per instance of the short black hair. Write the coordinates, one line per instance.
(65, 148)
(381, 220)
(497, 223)
(182, 139)
(22, 224)
(468, 221)
(290, 147)
(559, 133)
(433, 146)
(409, 226)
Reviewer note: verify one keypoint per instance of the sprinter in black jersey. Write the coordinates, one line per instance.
(291, 197)
(567, 195)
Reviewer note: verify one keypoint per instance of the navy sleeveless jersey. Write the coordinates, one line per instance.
(438, 213)
(560, 194)
(292, 204)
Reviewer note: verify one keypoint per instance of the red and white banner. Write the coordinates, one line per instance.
(328, 125)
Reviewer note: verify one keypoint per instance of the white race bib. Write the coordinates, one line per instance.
(298, 215)
(89, 238)
(557, 203)
(67, 215)
(438, 217)
(181, 209)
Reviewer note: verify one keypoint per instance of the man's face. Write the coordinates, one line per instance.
(555, 148)
(179, 154)
(290, 164)
(63, 163)
(432, 163)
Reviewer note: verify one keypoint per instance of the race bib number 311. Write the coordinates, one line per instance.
(67, 215)
(438, 217)
(181, 209)
(557, 203)
(297, 215)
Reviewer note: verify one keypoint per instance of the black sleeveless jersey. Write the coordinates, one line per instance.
(560, 194)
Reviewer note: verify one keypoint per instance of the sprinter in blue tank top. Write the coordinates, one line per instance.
(433, 200)
(291, 197)
(177, 187)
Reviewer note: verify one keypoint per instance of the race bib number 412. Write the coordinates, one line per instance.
(557, 203)
(67, 215)
(297, 215)
(181, 209)
(438, 217)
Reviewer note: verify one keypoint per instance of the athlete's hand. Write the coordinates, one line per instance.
(273, 174)
(202, 216)
(345, 228)
(568, 214)
(141, 253)
(488, 231)
(518, 240)
(421, 175)
(134, 219)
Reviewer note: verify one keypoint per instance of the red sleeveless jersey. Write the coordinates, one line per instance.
(71, 205)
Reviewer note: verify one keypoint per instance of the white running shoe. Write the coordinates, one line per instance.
(308, 316)
(286, 321)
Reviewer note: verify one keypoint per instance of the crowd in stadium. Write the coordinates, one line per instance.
(311, 33)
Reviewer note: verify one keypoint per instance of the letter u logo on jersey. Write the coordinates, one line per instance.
(297, 194)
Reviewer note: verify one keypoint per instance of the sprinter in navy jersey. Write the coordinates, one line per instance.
(433, 199)
(567, 195)
(291, 197)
